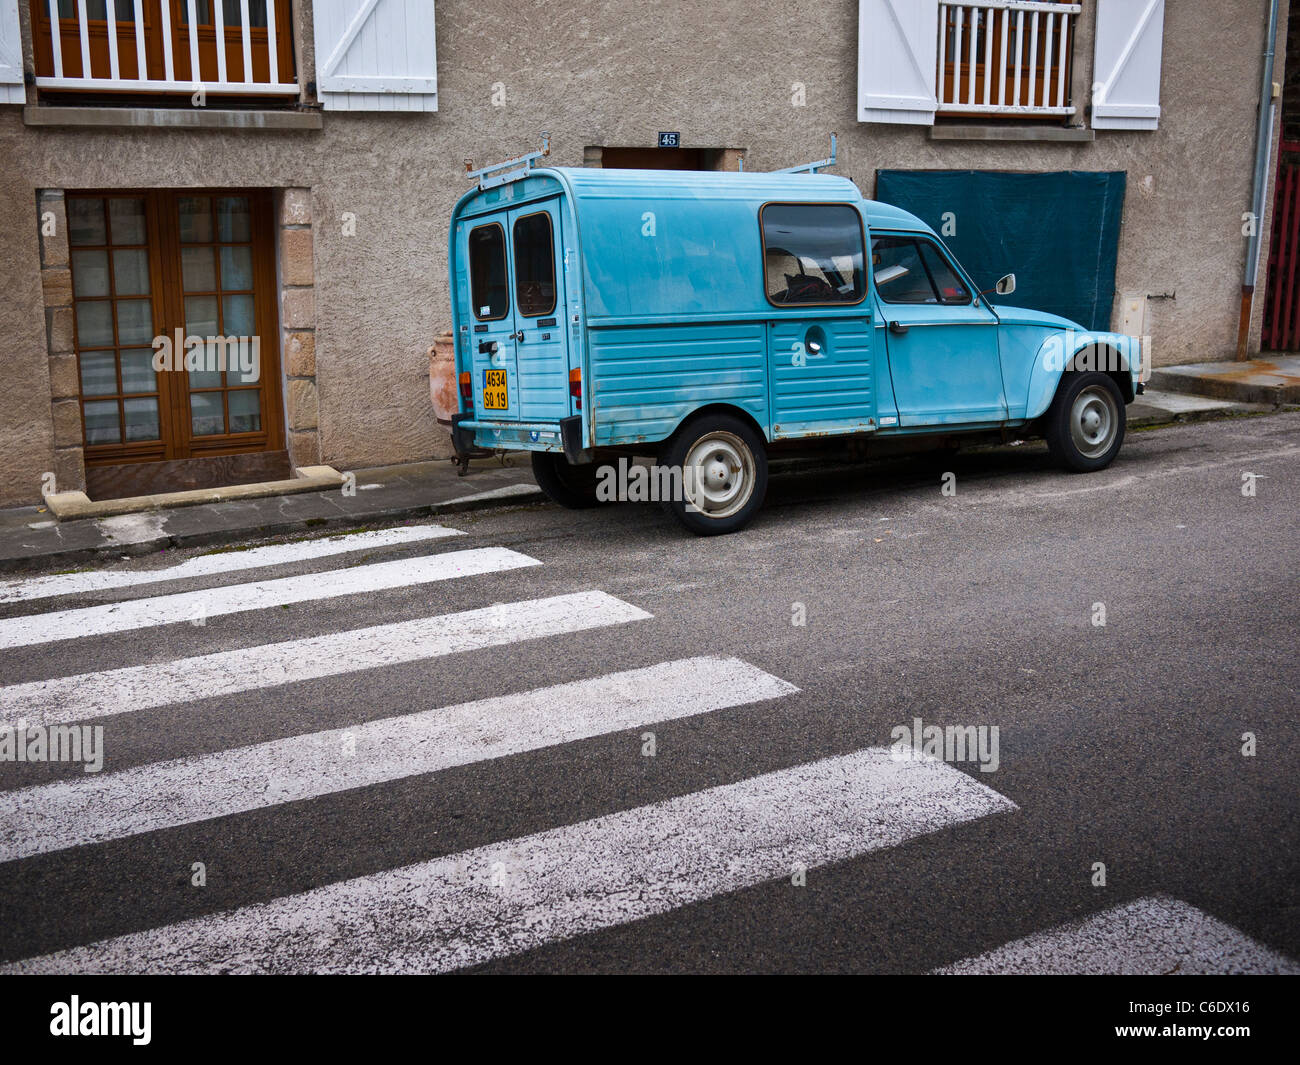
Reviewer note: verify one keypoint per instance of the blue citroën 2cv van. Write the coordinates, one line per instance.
(704, 318)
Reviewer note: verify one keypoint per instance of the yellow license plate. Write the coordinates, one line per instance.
(494, 390)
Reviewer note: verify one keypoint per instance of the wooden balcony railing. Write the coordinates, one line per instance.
(1006, 57)
(231, 47)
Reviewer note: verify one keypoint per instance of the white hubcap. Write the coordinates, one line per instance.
(718, 474)
(1094, 420)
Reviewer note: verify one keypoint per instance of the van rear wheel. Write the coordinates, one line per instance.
(723, 465)
(570, 486)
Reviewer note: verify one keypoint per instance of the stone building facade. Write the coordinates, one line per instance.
(300, 187)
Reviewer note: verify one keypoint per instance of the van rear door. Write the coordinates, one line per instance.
(519, 347)
(542, 356)
(491, 347)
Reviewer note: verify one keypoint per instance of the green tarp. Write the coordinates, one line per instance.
(1057, 232)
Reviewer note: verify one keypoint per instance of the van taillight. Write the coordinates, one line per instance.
(575, 386)
(466, 389)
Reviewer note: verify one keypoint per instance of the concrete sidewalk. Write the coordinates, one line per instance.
(29, 536)
(1271, 379)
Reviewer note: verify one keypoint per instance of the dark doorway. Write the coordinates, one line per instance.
(660, 158)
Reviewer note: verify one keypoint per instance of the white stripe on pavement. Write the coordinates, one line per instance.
(26, 630)
(91, 809)
(510, 897)
(219, 562)
(1151, 936)
(117, 691)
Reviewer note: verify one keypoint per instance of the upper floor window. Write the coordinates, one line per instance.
(813, 253)
(111, 50)
(1008, 58)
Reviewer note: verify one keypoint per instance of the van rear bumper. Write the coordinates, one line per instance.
(468, 432)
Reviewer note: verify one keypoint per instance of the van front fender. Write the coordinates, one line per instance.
(1115, 354)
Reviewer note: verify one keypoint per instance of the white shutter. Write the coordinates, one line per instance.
(12, 90)
(1126, 67)
(897, 52)
(376, 55)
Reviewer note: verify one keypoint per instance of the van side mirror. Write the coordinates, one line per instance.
(1006, 285)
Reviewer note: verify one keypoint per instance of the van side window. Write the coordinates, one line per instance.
(534, 264)
(812, 253)
(914, 270)
(487, 272)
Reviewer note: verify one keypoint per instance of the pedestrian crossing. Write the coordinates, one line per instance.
(93, 809)
(1155, 934)
(499, 900)
(487, 902)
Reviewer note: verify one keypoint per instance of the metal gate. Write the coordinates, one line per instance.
(1282, 298)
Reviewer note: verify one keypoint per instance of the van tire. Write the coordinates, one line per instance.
(570, 486)
(1085, 423)
(721, 446)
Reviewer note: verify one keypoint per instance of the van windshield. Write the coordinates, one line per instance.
(813, 253)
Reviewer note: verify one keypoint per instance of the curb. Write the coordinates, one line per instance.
(68, 506)
(526, 495)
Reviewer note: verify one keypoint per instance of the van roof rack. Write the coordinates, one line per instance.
(501, 173)
(806, 168)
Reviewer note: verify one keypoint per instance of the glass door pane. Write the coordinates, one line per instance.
(217, 281)
(112, 293)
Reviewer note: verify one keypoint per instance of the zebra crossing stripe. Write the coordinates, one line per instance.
(131, 614)
(90, 695)
(91, 809)
(219, 563)
(1156, 935)
(505, 898)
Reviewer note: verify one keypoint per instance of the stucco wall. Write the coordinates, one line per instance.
(614, 73)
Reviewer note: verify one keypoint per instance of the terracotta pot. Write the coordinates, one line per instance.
(442, 378)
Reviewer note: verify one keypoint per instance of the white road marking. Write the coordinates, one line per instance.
(91, 809)
(90, 695)
(221, 562)
(505, 898)
(1154, 935)
(504, 492)
(130, 614)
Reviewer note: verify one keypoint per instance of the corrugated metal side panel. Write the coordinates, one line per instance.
(832, 393)
(646, 379)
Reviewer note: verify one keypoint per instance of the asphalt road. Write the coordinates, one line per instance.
(1119, 744)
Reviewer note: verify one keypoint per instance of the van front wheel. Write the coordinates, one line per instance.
(723, 465)
(570, 486)
(1085, 423)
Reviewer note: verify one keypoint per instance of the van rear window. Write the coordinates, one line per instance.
(534, 264)
(813, 253)
(487, 272)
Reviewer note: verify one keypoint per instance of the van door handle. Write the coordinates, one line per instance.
(897, 328)
(487, 347)
(519, 336)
